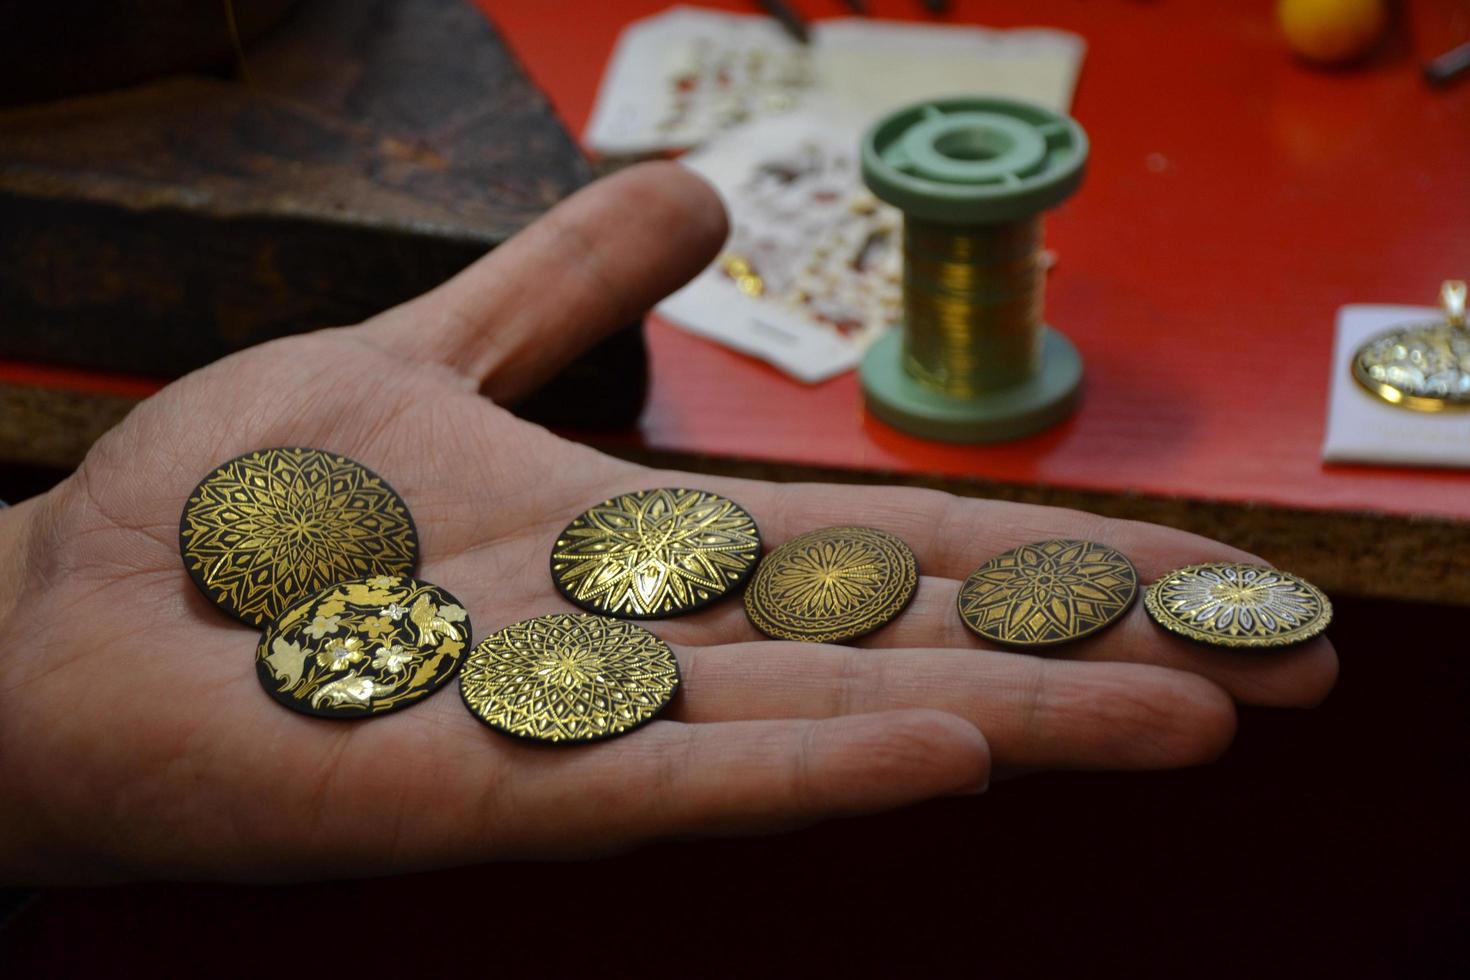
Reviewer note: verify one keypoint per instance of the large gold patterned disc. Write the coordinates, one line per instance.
(363, 647)
(1236, 605)
(276, 526)
(655, 553)
(1047, 593)
(569, 677)
(832, 585)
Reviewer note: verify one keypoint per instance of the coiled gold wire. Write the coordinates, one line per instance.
(972, 304)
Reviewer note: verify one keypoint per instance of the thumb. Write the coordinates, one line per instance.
(592, 264)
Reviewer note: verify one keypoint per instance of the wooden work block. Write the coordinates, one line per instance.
(365, 152)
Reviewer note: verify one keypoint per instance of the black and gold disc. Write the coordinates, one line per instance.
(363, 647)
(1227, 604)
(655, 553)
(832, 585)
(274, 527)
(569, 677)
(1049, 592)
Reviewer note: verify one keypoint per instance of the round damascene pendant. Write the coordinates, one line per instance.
(1047, 593)
(569, 677)
(655, 553)
(274, 527)
(832, 585)
(364, 647)
(1234, 605)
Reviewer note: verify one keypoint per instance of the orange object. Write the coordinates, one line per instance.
(1331, 31)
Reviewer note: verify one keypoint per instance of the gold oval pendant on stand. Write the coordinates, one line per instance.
(655, 553)
(1422, 367)
(832, 585)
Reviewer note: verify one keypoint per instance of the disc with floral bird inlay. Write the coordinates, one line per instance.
(832, 585)
(272, 528)
(363, 647)
(1048, 592)
(569, 677)
(655, 553)
(1237, 605)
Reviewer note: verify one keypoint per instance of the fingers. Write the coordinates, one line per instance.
(951, 536)
(676, 780)
(1035, 713)
(596, 262)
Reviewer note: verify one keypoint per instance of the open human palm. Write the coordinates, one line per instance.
(135, 740)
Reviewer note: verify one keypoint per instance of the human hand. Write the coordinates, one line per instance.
(135, 740)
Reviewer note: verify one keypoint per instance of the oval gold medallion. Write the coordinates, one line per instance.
(274, 527)
(1047, 593)
(655, 553)
(364, 647)
(1423, 367)
(832, 585)
(569, 677)
(1237, 605)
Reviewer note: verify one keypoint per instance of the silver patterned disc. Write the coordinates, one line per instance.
(1236, 605)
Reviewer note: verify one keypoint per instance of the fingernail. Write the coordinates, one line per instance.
(974, 789)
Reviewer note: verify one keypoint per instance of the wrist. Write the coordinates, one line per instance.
(15, 525)
(18, 569)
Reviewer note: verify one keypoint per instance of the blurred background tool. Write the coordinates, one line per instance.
(1449, 65)
(973, 362)
(792, 21)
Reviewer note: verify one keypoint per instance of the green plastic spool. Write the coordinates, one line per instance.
(974, 162)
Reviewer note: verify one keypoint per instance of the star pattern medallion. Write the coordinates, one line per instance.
(1238, 605)
(569, 677)
(1047, 593)
(655, 553)
(274, 527)
(363, 647)
(832, 585)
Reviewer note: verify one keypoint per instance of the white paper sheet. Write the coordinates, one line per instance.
(680, 77)
(824, 249)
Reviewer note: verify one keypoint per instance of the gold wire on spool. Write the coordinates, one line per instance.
(972, 304)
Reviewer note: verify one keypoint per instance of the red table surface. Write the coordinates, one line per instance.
(1235, 199)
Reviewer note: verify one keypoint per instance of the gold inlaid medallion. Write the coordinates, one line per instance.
(274, 527)
(363, 647)
(569, 677)
(1424, 367)
(832, 585)
(1236, 605)
(655, 553)
(1047, 593)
